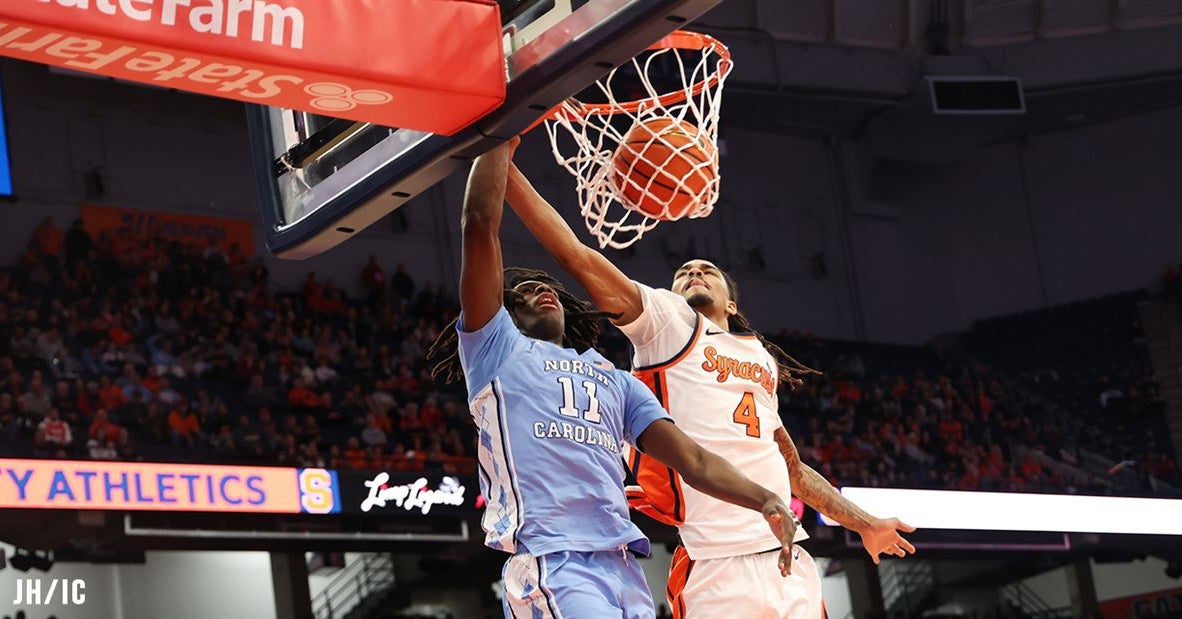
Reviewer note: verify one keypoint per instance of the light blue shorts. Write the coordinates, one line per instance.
(576, 585)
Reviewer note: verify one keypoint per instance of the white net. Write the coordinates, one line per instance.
(649, 152)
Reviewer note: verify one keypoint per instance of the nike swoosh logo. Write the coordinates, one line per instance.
(709, 332)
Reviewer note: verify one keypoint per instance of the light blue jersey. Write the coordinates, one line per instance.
(551, 423)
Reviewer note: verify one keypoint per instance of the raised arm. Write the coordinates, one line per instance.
(610, 289)
(481, 274)
(708, 473)
(879, 535)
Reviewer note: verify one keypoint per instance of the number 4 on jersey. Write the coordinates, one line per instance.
(747, 415)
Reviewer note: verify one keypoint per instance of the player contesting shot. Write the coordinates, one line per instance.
(719, 381)
(552, 416)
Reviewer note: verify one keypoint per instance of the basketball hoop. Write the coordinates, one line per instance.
(651, 148)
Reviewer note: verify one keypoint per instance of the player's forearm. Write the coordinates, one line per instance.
(484, 198)
(610, 290)
(710, 474)
(816, 492)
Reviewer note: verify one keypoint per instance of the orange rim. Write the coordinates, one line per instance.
(680, 39)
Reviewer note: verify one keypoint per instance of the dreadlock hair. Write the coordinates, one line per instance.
(791, 370)
(581, 323)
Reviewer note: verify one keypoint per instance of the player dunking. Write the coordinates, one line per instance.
(719, 381)
(552, 416)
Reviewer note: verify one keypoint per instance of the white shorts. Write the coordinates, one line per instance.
(748, 586)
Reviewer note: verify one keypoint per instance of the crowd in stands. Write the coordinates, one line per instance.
(116, 347)
(916, 430)
(120, 348)
(960, 426)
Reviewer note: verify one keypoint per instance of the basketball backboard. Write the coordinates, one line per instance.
(322, 179)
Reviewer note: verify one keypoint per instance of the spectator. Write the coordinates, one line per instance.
(36, 402)
(110, 395)
(183, 425)
(48, 243)
(167, 396)
(11, 418)
(309, 430)
(335, 459)
(50, 347)
(289, 452)
(259, 394)
(97, 450)
(402, 284)
(373, 280)
(372, 435)
(134, 387)
(324, 374)
(303, 398)
(53, 433)
(78, 245)
(104, 431)
(248, 438)
(355, 457)
(310, 457)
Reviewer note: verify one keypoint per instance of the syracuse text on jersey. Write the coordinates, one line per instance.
(726, 367)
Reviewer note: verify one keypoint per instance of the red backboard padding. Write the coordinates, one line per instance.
(430, 65)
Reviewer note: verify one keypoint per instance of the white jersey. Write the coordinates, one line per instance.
(720, 389)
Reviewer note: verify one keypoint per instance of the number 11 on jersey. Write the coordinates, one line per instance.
(568, 407)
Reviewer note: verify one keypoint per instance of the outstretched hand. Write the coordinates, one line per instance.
(784, 527)
(882, 536)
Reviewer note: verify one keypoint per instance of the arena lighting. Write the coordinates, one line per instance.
(1006, 511)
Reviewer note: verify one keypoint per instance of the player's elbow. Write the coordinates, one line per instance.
(671, 447)
(692, 464)
(574, 257)
(477, 220)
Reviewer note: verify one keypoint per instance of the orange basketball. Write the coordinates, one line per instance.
(663, 168)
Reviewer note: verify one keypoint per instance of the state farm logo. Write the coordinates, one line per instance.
(187, 72)
(334, 97)
(231, 20)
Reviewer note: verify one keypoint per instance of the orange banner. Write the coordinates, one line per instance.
(199, 230)
(68, 484)
(430, 65)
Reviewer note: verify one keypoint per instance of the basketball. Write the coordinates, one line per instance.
(664, 169)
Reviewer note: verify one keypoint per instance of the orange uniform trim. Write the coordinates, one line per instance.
(662, 485)
(679, 572)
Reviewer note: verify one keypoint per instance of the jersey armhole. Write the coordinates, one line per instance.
(681, 353)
